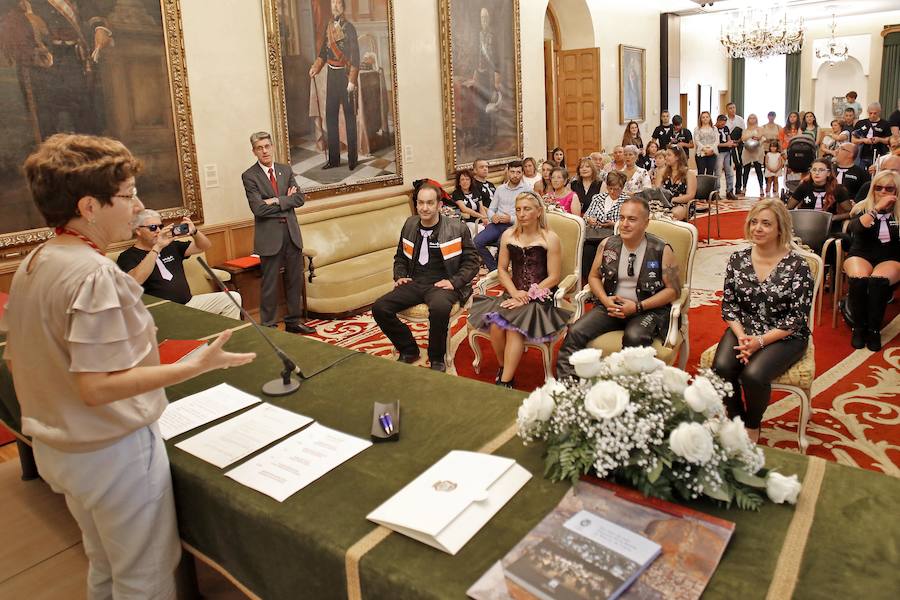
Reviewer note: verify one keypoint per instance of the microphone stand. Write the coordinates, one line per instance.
(277, 387)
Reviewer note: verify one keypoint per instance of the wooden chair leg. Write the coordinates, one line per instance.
(805, 414)
(476, 351)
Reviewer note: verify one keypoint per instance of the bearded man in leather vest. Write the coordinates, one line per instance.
(635, 278)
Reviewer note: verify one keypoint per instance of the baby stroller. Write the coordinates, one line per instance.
(801, 152)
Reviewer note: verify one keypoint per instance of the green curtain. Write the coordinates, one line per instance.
(791, 83)
(737, 84)
(890, 74)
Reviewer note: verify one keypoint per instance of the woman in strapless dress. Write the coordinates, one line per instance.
(525, 310)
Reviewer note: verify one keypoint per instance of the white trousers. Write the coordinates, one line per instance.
(121, 497)
(217, 303)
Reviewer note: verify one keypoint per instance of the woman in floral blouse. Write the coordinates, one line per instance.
(768, 294)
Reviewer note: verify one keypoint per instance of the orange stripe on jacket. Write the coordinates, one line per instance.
(451, 248)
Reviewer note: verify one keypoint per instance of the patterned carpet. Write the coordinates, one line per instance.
(856, 396)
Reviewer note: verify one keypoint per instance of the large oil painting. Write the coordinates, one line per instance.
(107, 67)
(632, 84)
(332, 70)
(482, 83)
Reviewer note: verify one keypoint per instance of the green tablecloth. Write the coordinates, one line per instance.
(297, 548)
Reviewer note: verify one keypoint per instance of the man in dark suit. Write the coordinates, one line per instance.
(273, 195)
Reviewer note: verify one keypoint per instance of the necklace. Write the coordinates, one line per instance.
(66, 231)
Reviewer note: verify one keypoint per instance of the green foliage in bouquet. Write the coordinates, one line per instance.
(632, 418)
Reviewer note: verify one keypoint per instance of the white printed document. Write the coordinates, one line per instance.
(199, 409)
(296, 462)
(243, 435)
(451, 501)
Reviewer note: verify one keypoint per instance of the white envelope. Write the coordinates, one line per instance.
(451, 501)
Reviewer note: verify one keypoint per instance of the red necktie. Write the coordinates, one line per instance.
(272, 180)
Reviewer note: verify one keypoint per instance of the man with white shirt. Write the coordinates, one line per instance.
(501, 213)
(735, 121)
(156, 262)
(273, 195)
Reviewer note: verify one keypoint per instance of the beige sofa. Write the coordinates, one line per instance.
(353, 248)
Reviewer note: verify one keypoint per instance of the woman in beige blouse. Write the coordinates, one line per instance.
(752, 156)
(82, 350)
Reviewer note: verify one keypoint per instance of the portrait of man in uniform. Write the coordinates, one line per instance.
(85, 66)
(484, 93)
(337, 67)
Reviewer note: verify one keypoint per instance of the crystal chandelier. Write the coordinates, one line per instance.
(748, 36)
(834, 52)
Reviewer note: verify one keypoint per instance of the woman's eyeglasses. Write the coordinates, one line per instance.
(154, 227)
(884, 188)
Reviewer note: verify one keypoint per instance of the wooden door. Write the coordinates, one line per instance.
(550, 94)
(683, 107)
(578, 86)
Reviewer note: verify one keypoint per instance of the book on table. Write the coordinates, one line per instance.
(176, 351)
(598, 543)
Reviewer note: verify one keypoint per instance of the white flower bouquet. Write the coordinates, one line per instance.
(631, 417)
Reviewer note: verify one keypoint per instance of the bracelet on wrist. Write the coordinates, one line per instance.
(640, 306)
(762, 342)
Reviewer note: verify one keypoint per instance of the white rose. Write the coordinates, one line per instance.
(537, 407)
(550, 388)
(586, 362)
(692, 442)
(733, 435)
(640, 359)
(701, 396)
(606, 400)
(782, 489)
(674, 380)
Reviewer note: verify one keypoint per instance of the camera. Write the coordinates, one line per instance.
(181, 229)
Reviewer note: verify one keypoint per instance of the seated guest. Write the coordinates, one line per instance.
(890, 163)
(82, 351)
(525, 311)
(647, 160)
(543, 185)
(832, 140)
(675, 176)
(846, 171)
(632, 136)
(637, 178)
(560, 195)
(600, 218)
(530, 173)
(768, 294)
(586, 183)
(635, 279)
(468, 200)
(617, 163)
(481, 169)
(873, 261)
(155, 262)
(820, 191)
(434, 264)
(597, 159)
(501, 213)
(894, 143)
(558, 156)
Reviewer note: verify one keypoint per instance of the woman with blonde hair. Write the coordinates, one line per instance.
(530, 174)
(767, 296)
(529, 268)
(873, 261)
(675, 176)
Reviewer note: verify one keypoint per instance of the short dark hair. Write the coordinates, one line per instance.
(721, 118)
(514, 164)
(616, 178)
(638, 200)
(677, 120)
(850, 109)
(428, 185)
(852, 94)
(478, 160)
(67, 167)
(731, 104)
(771, 113)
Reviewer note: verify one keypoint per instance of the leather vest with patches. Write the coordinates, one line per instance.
(650, 279)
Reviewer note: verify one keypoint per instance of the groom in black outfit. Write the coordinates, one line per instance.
(435, 264)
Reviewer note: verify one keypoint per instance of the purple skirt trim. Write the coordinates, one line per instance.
(494, 318)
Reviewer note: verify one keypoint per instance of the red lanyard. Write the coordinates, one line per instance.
(67, 231)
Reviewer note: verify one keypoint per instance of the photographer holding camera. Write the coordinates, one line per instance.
(156, 262)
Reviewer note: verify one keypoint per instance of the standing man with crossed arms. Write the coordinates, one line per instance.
(273, 195)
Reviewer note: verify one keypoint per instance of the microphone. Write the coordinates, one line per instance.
(277, 387)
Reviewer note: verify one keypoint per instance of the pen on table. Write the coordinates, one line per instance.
(390, 422)
(384, 424)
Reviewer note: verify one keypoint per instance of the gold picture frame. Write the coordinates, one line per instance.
(280, 33)
(137, 47)
(632, 84)
(466, 102)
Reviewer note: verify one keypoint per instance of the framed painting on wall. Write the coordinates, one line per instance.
(632, 84)
(333, 80)
(481, 75)
(105, 68)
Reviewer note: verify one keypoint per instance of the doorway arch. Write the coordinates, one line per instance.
(835, 81)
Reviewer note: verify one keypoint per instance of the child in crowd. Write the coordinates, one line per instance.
(774, 165)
